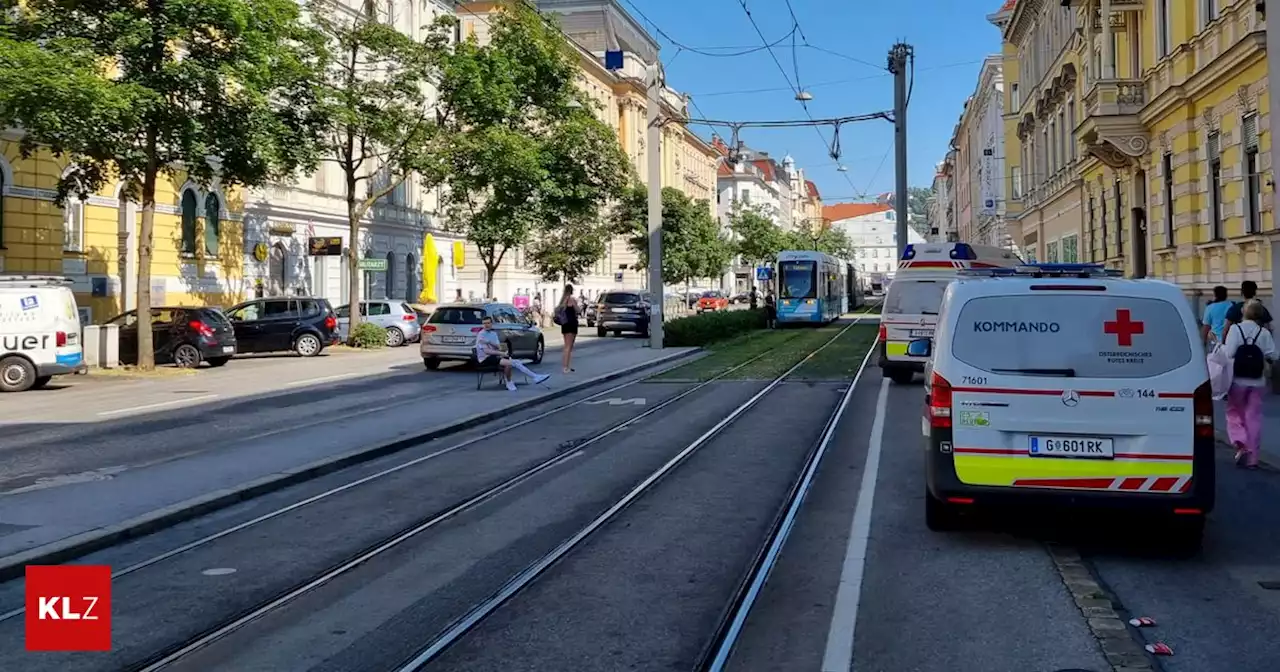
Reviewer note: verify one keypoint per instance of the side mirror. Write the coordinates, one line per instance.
(920, 348)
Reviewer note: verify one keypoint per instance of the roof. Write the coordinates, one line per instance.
(812, 189)
(1008, 5)
(766, 167)
(838, 211)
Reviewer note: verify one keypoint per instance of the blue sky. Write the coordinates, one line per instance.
(950, 40)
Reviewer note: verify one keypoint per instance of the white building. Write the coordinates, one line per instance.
(984, 139)
(872, 229)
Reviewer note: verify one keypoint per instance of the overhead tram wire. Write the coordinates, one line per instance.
(833, 82)
(706, 51)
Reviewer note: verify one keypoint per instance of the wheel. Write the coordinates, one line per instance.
(431, 363)
(617, 332)
(187, 356)
(901, 376)
(307, 345)
(601, 333)
(217, 361)
(540, 351)
(938, 515)
(16, 374)
(40, 382)
(395, 337)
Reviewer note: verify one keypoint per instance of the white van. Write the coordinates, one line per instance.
(1062, 384)
(910, 309)
(39, 331)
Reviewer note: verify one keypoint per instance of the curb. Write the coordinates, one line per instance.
(70, 548)
(1100, 612)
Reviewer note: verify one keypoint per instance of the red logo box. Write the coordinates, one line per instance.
(68, 608)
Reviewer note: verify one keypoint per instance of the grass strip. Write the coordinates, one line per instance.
(785, 355)
(841, 359)
(728, 354)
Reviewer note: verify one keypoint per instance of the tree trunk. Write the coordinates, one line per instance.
(353, 263)
(489, 269)
(146, 230)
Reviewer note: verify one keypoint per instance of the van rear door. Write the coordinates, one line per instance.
(910, 312)
(1080, 390)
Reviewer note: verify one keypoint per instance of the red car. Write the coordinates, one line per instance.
(713, 300)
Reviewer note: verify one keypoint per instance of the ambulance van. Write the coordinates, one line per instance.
(39, 331)
(1061, 384)
(910, 309)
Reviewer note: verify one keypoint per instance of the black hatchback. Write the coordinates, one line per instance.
(304, 325)
(184, 336)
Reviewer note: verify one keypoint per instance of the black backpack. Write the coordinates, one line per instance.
(1249, 360)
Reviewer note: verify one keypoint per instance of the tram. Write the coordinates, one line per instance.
(812, 287)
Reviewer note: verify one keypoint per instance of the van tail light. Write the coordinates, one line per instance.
(201, 328)
(476, 330)
(61, 339)
(939, 401)
(1202, 406)
(884, 334)
(330, 323)
(429, 328)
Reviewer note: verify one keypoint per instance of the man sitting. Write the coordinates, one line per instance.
(489, 353)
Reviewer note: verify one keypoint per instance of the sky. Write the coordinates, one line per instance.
(950, 40)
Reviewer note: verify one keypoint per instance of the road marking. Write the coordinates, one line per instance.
(158, 404)
(219, 571)
(325, 379)
(844, 618)
(618, 401)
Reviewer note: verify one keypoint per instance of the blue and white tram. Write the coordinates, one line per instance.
(811, 287)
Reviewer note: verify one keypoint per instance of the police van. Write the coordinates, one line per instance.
(1063, 384)
(39, 331)
(910, 309)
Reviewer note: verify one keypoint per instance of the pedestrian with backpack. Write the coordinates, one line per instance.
(1250, 347)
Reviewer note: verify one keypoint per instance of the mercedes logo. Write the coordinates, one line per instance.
(1070, 398)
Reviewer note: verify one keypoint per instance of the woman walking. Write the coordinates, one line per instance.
(567, 318)
(1250, 347)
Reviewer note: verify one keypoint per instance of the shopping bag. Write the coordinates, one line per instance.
(1220, 371)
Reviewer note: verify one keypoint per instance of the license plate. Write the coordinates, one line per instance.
(618, 310)
(453, 339)
(1071, 446)
(921, 333)
(228, 349)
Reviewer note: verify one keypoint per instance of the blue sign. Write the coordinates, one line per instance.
(613, 60)
(764, 273)
(29, 302)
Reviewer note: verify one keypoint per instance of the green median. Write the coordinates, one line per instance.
(842, 359)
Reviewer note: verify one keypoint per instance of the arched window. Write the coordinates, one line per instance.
(390, 289)
(212, 224)
(411, 271)
(188, 222)
(73, 224)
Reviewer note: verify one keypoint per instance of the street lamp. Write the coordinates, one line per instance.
(804, 96)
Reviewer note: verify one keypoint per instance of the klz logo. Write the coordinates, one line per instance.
(68, 608)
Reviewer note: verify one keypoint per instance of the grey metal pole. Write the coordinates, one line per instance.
(654, 145)
(898, 56)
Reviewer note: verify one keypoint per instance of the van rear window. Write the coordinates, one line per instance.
(1080, 336)
(915, 297)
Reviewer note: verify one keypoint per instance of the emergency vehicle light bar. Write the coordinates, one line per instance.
(35, 280)
(1047, 270)
(961, 251)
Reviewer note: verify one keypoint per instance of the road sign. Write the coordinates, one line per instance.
(324, 246)
(376, 265)
(618, 401)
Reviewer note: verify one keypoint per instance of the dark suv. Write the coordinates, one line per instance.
(303, 325)
(621, 311)
(182, 335)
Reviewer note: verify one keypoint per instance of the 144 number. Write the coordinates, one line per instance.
(1147, 394)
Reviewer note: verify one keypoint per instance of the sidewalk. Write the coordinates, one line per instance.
(47, 525)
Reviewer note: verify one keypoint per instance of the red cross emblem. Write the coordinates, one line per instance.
(1123, 328)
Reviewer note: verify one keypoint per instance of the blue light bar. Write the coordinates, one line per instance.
(963, 251)
(909, 252)
(1047, 270)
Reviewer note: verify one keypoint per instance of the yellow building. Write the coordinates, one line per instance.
(198, 249)
(1170, 154)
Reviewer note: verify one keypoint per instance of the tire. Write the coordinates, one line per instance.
(215, 362)
(307, 345)
(187, 356)
(617, 332)
(395, 337)
(601, 333)
(901, 376)
(540, 351)
(938, 515)
(431, 363)
(17, 374)
(40, 382)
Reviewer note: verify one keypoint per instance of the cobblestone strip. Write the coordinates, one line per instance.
(1118, 643)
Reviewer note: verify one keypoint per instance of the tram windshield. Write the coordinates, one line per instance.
(796, 280)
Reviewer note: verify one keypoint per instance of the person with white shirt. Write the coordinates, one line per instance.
(489, 353)
(1250, 347)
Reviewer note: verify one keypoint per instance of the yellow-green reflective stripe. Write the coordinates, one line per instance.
(1001, 470)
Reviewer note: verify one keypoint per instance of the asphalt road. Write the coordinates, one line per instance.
(646, 591)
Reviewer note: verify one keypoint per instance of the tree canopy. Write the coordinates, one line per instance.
(758, 239)
(692, 244)
(821, 237)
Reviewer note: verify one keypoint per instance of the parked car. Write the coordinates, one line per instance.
(741, 298)
(399, 319)
(450, 333)
(301, 324)
(590, 311)
(713, 300)
(623, 311)
(183, 336)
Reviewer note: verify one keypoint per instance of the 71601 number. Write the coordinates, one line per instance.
(973, 380)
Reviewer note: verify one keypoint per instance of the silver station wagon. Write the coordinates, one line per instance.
(450, 333)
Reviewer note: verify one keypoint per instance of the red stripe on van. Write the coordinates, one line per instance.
(1035, 393)
(1164, 484)
(1176, 395)
(1153, 456)
(989, 451)
(928, 264)
(1133, 483)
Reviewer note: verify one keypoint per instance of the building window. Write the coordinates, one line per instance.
(188, 222)
(73, 224)
(1102, 220)
(1053, 147)
(1208, 12)
(1215, 187)
(1015, 100)
(1167, 166)
(1164, 28)
(1051, 251)
(1093, 232)
(1119, 220)
(1071, 127)
(1253, 179)
(1070, 249)
(212, 224)
(1016, 179)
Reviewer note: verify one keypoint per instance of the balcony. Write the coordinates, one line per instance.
(1111, 131)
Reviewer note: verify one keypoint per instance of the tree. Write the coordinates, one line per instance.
(136, 91)
(759, 240)
(381, 119)
(821, 237)
(692, 246)
(526, 161)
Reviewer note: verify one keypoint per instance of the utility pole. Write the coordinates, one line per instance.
(899, 54)
(654, 145)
